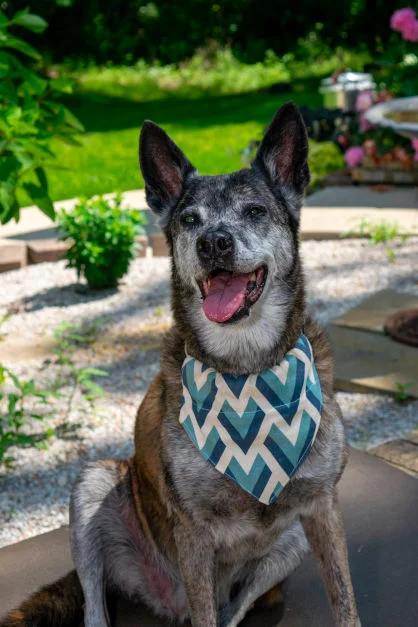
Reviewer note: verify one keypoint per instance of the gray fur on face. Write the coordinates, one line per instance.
(267, 240)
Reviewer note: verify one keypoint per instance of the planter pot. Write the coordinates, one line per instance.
(384, 175)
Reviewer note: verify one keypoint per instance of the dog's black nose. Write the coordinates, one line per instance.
(214, 245)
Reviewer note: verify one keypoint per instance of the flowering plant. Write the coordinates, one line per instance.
(405, 21)
(370, 146)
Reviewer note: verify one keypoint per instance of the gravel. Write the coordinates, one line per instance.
(35, 494)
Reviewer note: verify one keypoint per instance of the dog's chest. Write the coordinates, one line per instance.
(233, 517)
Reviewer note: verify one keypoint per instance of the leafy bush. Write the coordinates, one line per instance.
(14, 415)
(30, 117)
(324, 158)
(103, 239)
(122, 31)
(18, 398)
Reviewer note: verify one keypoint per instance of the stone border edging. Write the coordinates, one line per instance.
(34, 240)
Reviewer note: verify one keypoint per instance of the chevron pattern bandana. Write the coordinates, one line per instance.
(256, 429)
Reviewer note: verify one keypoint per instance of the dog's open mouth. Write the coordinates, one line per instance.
(228, 296)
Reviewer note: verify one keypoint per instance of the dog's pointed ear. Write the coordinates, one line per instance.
(164, 168)
(283, 155)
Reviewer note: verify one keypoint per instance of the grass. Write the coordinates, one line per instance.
(197, 105)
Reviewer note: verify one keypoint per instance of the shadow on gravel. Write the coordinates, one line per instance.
(75, 294)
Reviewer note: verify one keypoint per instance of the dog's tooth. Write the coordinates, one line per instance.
(208, 283)
(253, 277)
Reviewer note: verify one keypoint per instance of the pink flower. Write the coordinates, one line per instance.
(402, 18)
(410, 31)
(354, 156)
(364, 124)
(384, 95)
(364, 100)
(415, 147)
(342, 140)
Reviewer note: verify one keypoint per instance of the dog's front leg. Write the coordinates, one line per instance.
(196, 558)
(260, 576)
(325, 533)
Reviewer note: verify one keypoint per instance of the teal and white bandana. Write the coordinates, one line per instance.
(256, 429)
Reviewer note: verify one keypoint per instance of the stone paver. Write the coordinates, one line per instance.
(13, 255)
(43, 250)
(403, 453)
(372, 313)
(366, 359)
(369, 362)
(159, 245)
(142, 251)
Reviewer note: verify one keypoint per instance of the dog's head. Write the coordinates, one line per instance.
(233, 239)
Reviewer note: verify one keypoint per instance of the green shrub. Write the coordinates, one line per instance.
(30, 117)
(324, 158)
(103, 239)
(14, 394)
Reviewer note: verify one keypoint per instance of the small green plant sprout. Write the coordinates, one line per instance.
(377, 232)
(31, 116)
(2, 321)
(103, 239)
(68, 337)
(14, 414)
(402, 395)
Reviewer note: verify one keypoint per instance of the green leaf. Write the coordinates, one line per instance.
(37, 84)
(4, 64)
(68, 139)
(72, 121)
(32, 22)
(37, 416)
(8, 213)
(93, 387)
(41, 176)
(3, 20)
(40, 198)
(94, 372)
(21, 46)
(8, 203)
(62, 84)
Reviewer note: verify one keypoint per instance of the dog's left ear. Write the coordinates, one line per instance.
(164, 168)
(283, 155)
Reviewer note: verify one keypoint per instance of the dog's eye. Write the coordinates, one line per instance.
(255, 212)
(189, 219)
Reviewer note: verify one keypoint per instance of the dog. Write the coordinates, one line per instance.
(167, 528)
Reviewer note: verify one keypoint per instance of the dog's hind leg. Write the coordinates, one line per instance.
(89, 500)
(263, 575)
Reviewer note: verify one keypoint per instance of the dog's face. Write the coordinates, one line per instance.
(233, 237)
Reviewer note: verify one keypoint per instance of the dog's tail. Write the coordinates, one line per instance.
(59, 604)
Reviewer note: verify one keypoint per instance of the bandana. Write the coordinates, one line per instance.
(256, 429)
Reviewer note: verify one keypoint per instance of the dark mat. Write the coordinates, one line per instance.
(380, 508)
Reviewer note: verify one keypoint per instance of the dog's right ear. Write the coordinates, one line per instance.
(164, 168)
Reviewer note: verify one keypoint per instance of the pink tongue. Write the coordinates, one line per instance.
(226, 295)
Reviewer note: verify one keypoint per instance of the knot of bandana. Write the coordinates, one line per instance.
(256, 429)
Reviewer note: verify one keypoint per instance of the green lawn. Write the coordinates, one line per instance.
(211, 128)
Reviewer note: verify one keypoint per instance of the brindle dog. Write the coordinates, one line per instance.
(165, 527)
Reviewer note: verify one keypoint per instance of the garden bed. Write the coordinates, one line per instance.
(38, 298)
